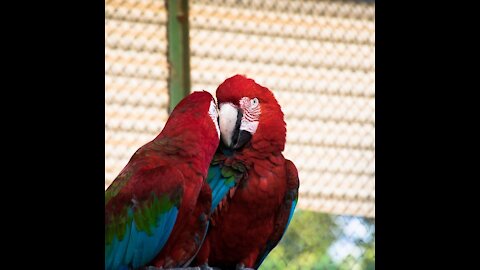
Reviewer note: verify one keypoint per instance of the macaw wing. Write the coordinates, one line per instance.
(200, 223)
(139, 219)
(285, 213)
(220, 183)
(223, 180)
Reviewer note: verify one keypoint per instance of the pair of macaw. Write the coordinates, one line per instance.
(188, 198)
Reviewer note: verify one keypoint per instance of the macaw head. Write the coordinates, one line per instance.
(249, 113)
(193, 123)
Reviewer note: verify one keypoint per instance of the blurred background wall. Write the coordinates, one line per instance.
(318, 57)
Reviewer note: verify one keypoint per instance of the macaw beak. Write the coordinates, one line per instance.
(243, 138)
(230, 119)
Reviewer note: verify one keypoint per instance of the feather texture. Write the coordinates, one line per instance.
(151, 211)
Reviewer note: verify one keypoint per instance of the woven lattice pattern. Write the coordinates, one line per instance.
(136, 96)
(318, 57)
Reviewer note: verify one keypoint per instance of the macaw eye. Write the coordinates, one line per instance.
(254, 102)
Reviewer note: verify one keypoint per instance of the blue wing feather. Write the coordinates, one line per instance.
(137, 248)
(292, 210)
(120, 248)
(219, 185)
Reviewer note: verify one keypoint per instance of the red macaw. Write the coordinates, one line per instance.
(157, 209)
(254, 188)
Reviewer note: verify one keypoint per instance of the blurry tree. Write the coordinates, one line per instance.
(309, 240)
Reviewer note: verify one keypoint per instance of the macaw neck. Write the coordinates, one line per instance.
(248, 154)
(265, 147)
(228, 152)
(270, 136)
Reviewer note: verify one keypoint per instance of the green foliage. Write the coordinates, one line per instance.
(309, 241)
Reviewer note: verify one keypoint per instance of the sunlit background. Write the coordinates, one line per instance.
(318, 57)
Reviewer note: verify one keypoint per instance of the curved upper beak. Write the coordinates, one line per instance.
(230, 118)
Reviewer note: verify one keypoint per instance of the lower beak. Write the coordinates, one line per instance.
(243, 138)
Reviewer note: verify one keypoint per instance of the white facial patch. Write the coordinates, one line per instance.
(228, 119)
(251, 114)
(251, 127)
(212, 111)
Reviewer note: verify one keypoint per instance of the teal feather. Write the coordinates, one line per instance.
(219, 184)
(137, 246)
